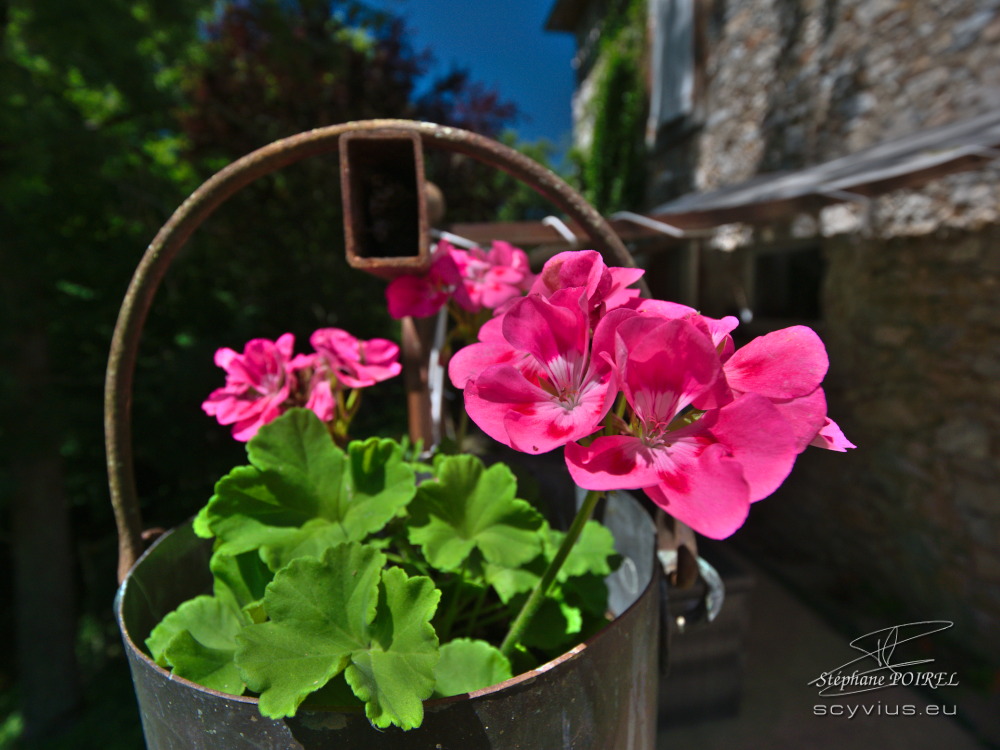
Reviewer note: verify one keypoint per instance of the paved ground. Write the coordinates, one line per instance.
(787, 646)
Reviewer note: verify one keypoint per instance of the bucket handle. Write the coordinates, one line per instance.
(213, 193)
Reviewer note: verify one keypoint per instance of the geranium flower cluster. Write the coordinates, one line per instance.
(702, 428)
(266, 379)
(475, 279)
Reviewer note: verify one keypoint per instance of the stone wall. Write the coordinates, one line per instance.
(912, 517)
(910, 521)
(911, 304)
(796, 82)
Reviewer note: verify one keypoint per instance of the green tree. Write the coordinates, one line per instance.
(110, 115)
(81, 177)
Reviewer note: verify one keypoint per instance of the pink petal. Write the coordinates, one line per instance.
(615, 462)
(548, 331)
(471, 360)
(303, 362)
(494, 293)
(832, 438)
(492, 349)
(258, 383)
(666, 310)
(496, 391)
(224, 357)
(527, 418)
(783, 364)
(321, 400)
(355, 363)
(604, 346)
(413, 296)
(806, 416)
(573, 268)
(760, 440)
(552, 425)
(245, 429)
(717, 329)
(285, 344)
(713, 500)
(667, 366)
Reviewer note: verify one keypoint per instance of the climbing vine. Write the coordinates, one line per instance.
(613, 172)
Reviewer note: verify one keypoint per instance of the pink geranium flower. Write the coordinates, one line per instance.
(697, 453)
(495, 276)
(420, 296)
(606, 287)
(785, 366)
(548, 384)
(258, 382)
(314, 378)
(353, 362)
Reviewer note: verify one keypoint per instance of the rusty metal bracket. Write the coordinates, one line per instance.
(382, 184)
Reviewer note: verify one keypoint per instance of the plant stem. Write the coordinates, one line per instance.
(463, 426)
(449, 617)
(411, 555)
(496, 616)
(476, 609)
(537, 597)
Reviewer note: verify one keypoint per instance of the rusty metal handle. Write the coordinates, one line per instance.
(219, 188)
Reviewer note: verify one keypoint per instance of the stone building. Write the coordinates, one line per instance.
(756, 109)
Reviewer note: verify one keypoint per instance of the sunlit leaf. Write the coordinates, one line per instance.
(198, 640)
(341, 613)
(303, 494)
(471, 507)
(468, 665)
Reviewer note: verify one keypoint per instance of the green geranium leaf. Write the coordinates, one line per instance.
(198, 640)
(239, 578)
(470, 507)
(245, 514)
(468, 665)
(200, 524)
(337, 613)
(555, 624)
(396, 673)
(375, 487)
(312, 540)
(303, 461)
(303, 494)
(509, 582)
(594, 552)
(211, 667)
(320, 613)
(589, 593)
(592, 557)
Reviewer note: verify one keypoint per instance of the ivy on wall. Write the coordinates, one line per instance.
(613, 171)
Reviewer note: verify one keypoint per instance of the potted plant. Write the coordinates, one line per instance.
(363, 592)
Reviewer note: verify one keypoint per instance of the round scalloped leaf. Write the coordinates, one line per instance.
(468, 665)
(471, 507)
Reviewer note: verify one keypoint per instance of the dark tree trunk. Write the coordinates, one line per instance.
(44, 597)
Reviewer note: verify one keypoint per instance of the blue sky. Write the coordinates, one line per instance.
(505, 46)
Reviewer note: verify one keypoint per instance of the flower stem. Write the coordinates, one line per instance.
(537, 597)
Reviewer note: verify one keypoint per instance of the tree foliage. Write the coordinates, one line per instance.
(111, 113)
(612, 171)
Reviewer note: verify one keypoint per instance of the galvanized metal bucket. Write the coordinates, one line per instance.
(599, 696)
